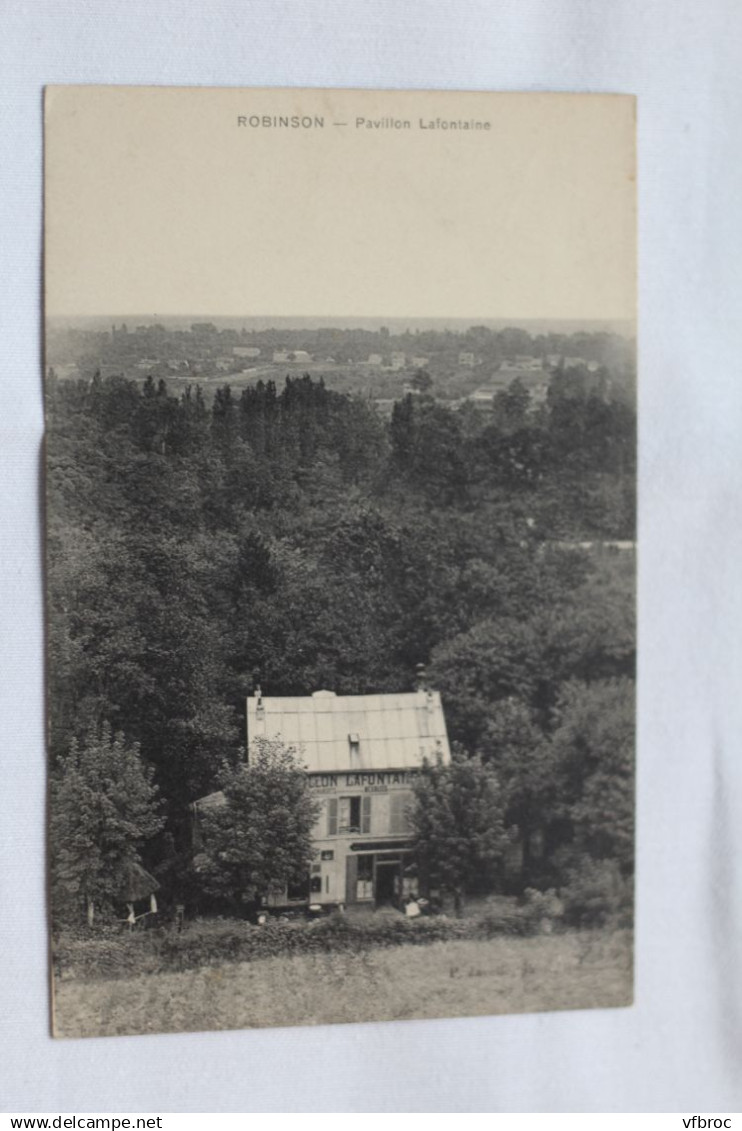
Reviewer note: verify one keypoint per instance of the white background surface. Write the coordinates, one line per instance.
(680, 1047)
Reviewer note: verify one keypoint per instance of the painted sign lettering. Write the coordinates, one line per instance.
(371, 782)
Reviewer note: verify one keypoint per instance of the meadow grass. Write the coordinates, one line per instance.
(467, 977)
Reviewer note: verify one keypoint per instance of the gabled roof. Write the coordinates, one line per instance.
(354, 732)
(138, 884)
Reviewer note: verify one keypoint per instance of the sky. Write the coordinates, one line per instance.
(164, 201)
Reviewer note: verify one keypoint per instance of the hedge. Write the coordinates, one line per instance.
(204, 942)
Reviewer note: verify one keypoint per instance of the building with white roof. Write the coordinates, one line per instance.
(362, 754)
(353, 733)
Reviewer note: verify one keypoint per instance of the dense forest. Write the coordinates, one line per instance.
(293, 535)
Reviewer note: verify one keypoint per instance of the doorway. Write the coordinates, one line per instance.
(387, 884)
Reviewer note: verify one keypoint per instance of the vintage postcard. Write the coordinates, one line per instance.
(341, 513)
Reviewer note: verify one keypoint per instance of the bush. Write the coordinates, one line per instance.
(541, 910)
(207, 942)
(110, 953)
(104, 955)
(597, 895)
(507, 919)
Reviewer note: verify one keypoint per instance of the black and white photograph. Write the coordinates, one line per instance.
(341, 551)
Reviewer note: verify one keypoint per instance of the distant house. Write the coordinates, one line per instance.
(527, 361)
(398, 360)
(467, 360)
(375, 359)
(555, 360)
(291, 357)
(483, 397)
(246, 351)
(507, 373)
(385, 406)
(534, 381)
(581, 362)
(419, 362)
(362, 753)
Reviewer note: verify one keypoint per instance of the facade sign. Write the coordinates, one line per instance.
(365, 782)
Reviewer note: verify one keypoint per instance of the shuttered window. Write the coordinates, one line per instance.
(348, 815)
(332, 816)
(398, 819)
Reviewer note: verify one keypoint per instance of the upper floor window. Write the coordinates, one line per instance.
(399, 809)
(348, 815)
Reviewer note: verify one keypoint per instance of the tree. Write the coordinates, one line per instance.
(402, 432)
(224, 418)
(422, 381)
(459, 832)
(593, 745)
(497, 658)
(427, 448)
(259, 839)
(103, 810)
(519, 752)
(510, 407)
(301, 534)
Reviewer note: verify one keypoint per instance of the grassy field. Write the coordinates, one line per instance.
(577, 970)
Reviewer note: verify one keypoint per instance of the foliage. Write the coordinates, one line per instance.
(596, 894)
(103, 811)
(517, 748)
(511, 407)
(422, 381)
(457, 820)
(288, 531)
(427, 450)
(593, 746)
(259, 840)
(541, 910)
(205, 942)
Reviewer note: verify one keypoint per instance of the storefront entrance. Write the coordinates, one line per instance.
(374, 879)
(386, 887)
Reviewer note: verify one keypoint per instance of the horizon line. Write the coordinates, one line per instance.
(473, 319)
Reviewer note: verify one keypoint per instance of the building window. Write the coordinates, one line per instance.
(399, 804)
(298, 891)
(365, 878)
(365, 867)
(348, 815)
